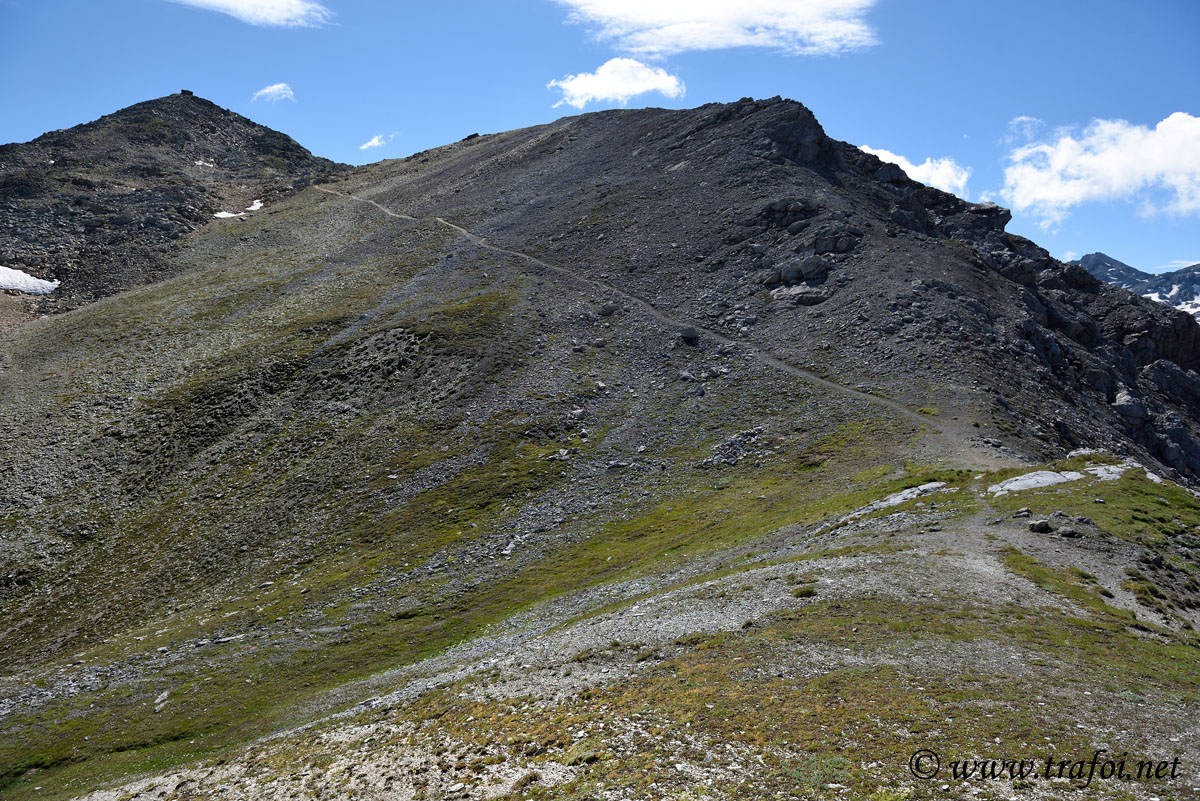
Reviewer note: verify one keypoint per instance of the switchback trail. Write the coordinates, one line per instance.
(671, 322)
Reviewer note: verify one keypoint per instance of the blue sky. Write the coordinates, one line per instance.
(1084, 117)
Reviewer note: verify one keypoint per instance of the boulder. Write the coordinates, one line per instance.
(1128, 406)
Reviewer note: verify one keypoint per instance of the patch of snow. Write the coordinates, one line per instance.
(255, 206)
(203, 163)
(1190, 306)
(24, 282)
(1034, 480)
(224, 215)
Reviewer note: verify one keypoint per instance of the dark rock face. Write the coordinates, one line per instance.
(1089, 335)
(99, 206)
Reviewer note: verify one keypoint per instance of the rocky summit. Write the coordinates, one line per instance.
(644, 454)
(102, 206)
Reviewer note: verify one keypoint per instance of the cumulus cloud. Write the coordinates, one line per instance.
(378, 140)
(282, 13)
(945, 174)
(274, 93)
(664, 27)
(617, 79)
(1158, 168)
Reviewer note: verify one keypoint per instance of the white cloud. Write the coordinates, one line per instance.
(284, 13)
(945, 174)
(374, 141)
(274, 93)
(1174, 264)
(662, 27)
(1023, 128)
(1158, 168)
(617, 79)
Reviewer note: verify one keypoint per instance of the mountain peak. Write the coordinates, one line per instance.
(1112, 271)
(1179, 289)
(95, 205)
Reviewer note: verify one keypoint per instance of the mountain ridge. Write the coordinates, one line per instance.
(1179, 289)
(548, 461)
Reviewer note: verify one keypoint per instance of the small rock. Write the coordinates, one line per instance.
(690, 336)
(1040, 527)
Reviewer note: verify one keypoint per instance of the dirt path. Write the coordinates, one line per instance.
(673, 322)
(384, 209)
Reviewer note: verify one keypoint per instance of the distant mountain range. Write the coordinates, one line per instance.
(1178, 288)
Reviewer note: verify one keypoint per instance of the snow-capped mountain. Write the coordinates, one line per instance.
(1178, 288)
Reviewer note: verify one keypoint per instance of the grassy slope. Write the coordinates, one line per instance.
(766, 708)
